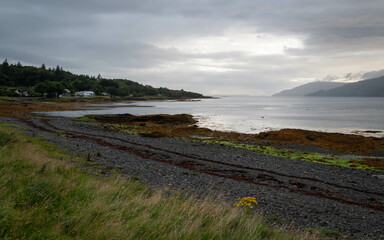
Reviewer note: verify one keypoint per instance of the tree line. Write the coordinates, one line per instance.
(40, 81)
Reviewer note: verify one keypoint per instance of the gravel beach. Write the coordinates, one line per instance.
(301, 194)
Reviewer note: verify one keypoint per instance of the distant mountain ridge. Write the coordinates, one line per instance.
(309, 88)
(365, 88)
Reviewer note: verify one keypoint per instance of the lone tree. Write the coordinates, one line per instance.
(5, 67)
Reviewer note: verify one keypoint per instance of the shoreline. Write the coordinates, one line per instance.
(332, 140)
(358, 132)
(296, 193)
(22, 107)
(186, 126)
(123, 202)
(300, 178)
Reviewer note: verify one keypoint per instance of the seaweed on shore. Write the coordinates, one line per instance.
(342, 161)
(276, 143)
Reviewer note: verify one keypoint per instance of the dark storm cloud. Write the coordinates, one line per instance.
(133, 39)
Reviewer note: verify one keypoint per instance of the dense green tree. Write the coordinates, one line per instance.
(53, 81)
(113, 91)
(109, 83)
(5, 67)
(52, 89)
(97, 89)
(3, 79)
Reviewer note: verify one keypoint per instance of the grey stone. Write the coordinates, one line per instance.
(378, 176)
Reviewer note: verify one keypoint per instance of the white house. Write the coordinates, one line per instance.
(66, 93)
(85, 93)
(22, 93)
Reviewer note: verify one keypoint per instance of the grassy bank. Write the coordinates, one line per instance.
(43, 195)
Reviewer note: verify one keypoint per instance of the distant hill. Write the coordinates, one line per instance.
(34, 81)
(365, 88)
(309, 88)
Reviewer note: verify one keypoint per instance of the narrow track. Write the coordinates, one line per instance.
(238, 172)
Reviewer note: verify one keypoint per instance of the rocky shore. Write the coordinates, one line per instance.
(298, 193)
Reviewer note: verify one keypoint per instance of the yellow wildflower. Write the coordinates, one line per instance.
(246, 203)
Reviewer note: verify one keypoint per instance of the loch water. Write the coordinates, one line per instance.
(248, 114)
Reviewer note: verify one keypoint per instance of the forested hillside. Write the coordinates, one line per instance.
(38, 81)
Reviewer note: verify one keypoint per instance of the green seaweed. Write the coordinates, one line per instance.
(355, 163)
(84, 119)
(130, 129)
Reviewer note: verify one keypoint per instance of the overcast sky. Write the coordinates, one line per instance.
(208, 46)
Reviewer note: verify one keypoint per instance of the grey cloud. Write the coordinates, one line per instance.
(373, 74)
(245, 82)
(124, 38)
(355, 76)
(255, 76)
(30, 59)
(321, 22)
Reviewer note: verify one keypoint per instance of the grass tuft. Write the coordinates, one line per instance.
(4, 139)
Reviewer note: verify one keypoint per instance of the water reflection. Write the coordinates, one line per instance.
(256, 114)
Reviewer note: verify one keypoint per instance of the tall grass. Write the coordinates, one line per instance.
(42, 196)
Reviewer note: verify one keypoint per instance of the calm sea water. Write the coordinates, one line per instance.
(256, 114)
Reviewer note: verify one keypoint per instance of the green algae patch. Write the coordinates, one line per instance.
(370, 164)
(84, 119)
(130, 129)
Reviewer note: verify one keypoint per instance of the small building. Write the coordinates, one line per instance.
(22, 93)
(66, 93)
(85, 93)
